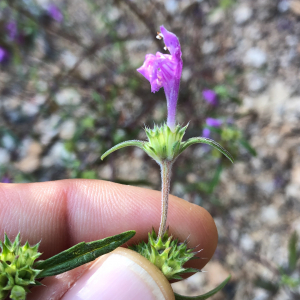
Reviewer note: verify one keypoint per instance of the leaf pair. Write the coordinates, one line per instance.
(183, 146)
(81, 254)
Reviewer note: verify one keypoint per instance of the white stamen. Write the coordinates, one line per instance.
(165, 48)
(159, 36)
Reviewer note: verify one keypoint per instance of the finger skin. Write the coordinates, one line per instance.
(63, 213)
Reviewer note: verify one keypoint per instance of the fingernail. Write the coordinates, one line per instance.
(123, 275)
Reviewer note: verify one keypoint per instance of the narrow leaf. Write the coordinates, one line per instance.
(191, 270)
(80, 254)
(204, 296)
(136, 143)
(293, 255)
(248, 147)
(270, 286)
(202, 140)
(214, 182)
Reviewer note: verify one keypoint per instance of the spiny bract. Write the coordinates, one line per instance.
(16, 271)
(167, 254)
(163, 143)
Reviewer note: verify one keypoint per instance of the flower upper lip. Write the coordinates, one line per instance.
(164, 70)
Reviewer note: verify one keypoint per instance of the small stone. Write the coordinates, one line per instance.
(171, 6)
(255, 82)
(67, 130)
(270, 215)
(39, 99)
(68, 96)
(186, 74)
(34, 149)
(8, 142)
(192, 178)
(255, 57)
(209, 47)
(31, 161)
(106, 172)
(178, 189)
(42, 86)
(58, 155)
(295, 7)
(4, 157)
(69, 59)
(283, 6)
(291, 40)
(247, 243)
(86, 70)
(29, 109)
(28, 164)
(261, 294)
(216, 17)
(242, 14)
(48, 128)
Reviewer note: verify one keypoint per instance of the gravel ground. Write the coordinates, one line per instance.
(61, 108)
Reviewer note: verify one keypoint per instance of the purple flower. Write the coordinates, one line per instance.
(3, 54)
(213, 122)
(55, 13)
(5, 179)
(164, 70)
(206, 133)
(210, 96)
(12, 30)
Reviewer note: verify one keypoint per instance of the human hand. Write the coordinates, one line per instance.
(63, 213)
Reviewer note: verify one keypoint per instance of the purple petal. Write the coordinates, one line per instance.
(210, 96)
(55, 13)
(206, 133)
(12, 31)
(3, 54)
(5, 179)
(172, 42)
(213, 122)
(164, 70)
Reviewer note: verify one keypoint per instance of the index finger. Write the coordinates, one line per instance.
(64, 213)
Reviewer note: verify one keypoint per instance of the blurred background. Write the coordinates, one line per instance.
(69, 91)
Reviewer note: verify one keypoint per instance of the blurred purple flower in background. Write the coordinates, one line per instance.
(210, 97)
(5, 179)
(213, 122)
(55, 13)
(164, 70)
(12, 30)
(206, 133)
(3, 54)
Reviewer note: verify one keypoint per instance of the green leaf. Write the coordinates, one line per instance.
(293, 255)
(270, 286)
(214, 182)
(136, 143)
(248, 147)
(191, 270)
(202, 140)
(80, 254)
(204, 296)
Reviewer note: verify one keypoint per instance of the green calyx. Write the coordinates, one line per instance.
(166, 145)
(16, 271)
(167, 254)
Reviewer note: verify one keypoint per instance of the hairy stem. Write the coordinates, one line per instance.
(166, 167)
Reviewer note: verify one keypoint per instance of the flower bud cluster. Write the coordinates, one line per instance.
(167, 254)
(16, 268)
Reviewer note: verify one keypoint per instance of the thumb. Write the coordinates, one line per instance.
(122, 274)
